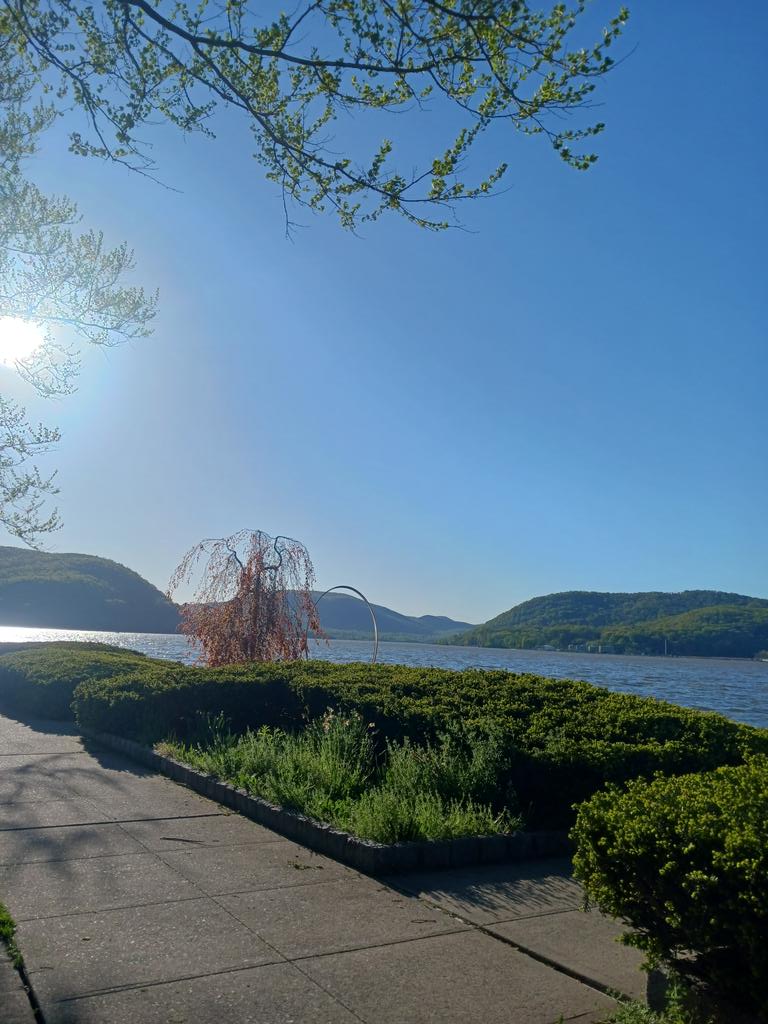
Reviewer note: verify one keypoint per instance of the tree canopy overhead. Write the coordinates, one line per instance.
(292, 74)
(67, 283)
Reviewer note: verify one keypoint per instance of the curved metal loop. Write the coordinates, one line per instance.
(360, 594)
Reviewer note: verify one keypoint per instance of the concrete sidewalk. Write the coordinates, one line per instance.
(137, 900)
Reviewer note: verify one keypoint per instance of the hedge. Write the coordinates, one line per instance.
(684, 861)
(40, 678)
(566, 739)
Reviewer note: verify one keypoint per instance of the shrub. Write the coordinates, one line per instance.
(684, 861)
(161, 701)
(679, 1008)
(331, 772)
(563, 739)
(40, 679)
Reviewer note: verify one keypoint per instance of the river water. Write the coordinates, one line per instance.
(735, 688)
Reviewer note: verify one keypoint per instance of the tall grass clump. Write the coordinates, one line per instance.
(8, 936)
(334, 771)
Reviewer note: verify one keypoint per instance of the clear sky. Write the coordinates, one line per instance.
(570, 394)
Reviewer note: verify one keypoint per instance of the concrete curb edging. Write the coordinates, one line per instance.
(363, 854)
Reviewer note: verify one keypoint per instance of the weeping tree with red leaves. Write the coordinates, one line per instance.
(252, 598)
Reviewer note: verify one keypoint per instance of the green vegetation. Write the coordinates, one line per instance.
(724, 631)
(40, 679)
(565, 739)
(291, 75)
(694, 623)
(8, 936)
(70, 591)
(684, 861)
(346, 618)
(682, 857)
(332, 772)
(678, 1009)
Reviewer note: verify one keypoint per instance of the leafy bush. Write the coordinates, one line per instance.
(684, 861)
(564, 739)
(165, 698)
(331, 772)
(679, 1008)
(40, 679)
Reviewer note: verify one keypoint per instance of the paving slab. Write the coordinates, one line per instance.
(328, 917)
(85, 954)
(38, 737)
(10, 979)
(15, 1007)
(28, 782)
(454, 979)
(498, 892)
(54, 888)
(245, 869)
(127, 792)
(164, 907)
(586, 943)
(45, 813)
(227, 829)
(25, 846)
(9, 976)
(276, 994)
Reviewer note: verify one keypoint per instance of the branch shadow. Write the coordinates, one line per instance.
(501, 890)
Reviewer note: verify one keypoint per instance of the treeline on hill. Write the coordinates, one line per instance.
(703, 623)
(73, 591)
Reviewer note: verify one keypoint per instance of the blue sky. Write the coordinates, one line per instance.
(569, 394)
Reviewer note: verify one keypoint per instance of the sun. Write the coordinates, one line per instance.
(19, 339)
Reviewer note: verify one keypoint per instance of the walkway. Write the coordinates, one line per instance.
(137, 900)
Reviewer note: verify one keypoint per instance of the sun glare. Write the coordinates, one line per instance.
(18, 339)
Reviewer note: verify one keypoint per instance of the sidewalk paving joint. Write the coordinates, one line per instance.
(188, 911)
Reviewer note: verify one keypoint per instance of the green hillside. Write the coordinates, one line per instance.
(72, 591)
(345, 617)
(693, 622)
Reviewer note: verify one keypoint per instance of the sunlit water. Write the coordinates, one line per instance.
(735, 688)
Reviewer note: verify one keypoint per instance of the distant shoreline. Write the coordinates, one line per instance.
(395, 640)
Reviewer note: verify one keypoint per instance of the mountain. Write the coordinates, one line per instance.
(693, 622)
(346, 617)
(72, 591)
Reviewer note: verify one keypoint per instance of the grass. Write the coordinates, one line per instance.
(8, 936)
(678, 1009)
(333, 772)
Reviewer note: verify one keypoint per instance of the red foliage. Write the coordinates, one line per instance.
(252, 599)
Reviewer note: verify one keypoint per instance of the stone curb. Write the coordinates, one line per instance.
(362, 854)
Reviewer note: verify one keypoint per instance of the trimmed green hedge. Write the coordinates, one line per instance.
(565, 739)
(40, 678)
(684, 861)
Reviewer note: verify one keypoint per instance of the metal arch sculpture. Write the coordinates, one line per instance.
(360, 594)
